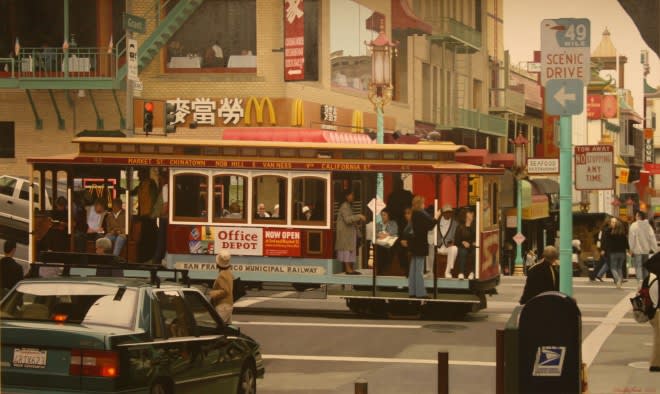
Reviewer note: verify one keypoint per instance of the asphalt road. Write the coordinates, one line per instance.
(318, 346)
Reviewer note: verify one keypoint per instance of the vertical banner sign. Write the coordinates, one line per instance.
(132, 62)
(294, 40)
(594, 106)
(649, 156)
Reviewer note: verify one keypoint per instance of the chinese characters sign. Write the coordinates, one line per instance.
(294, 40)
(205, 111)
(328, 113)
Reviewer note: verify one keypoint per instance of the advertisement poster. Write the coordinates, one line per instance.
(593, 106)
(294, 40)
(278, 242)
(240, 241)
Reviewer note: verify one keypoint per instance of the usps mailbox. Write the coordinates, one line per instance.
(550, 345)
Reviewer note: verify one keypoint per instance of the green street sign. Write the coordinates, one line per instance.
(134, 23)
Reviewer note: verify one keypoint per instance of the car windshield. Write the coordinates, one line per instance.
(77, 303)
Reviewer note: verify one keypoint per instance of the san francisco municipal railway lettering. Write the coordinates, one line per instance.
(268, 268)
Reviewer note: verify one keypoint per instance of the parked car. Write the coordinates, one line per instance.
(91, 334)
(14, 202)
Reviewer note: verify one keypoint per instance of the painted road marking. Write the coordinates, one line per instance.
(595, 340)
(300, 324)
(392, 360)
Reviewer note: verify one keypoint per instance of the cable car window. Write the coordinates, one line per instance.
(287, 152)
(249, 152)
(191, 197)
(371, 155)
(390, 155)
(308, 202)
(166, 149)
(429, 156)
(128, 148)
(410, 156)
(147, 148)
(229, 198)
(269, 199)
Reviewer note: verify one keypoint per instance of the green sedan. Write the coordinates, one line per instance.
(120, 335)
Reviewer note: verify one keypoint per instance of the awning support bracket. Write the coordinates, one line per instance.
(122, 120)
(60, 119)
(99, 120)
(38, 122)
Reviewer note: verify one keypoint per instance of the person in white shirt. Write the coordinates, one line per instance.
(95, 216)
(447, 230)
(161, 210)
(641, 238)
(261, 211)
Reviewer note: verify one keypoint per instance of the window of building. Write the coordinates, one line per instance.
(7, 141)
(308, 204)
(477, 15)
(202, 313)
(269, 199)
(220, 36)
(351, 24)
(178, 322)
(229, 198)
(190, 197)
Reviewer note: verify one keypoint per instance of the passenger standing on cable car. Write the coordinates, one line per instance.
(147, 193)
(346, 240)
(418, 245)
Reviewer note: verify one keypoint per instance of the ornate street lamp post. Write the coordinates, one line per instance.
(520, 172)
(380, 88)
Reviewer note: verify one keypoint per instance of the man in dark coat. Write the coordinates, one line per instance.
(12, 272)
(398, 200)
(543, 276)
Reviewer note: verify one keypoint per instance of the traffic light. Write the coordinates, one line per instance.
(148, 125)
(170, 118)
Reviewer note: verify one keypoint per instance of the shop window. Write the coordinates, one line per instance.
(269, 199)
(308, 202)
(190, 197)
(351, 24)
(229, 198)
(7, 140)
(220, 36)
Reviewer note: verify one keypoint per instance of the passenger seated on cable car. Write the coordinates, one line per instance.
(385, 239)
(276, 212)
(234, 211)
(56, 238)
(95, 219)
(306, 213)
(261, 212)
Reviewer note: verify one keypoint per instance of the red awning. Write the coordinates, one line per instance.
(479, 157)
(403, 18)
(503, 160)
(293, 134)
(643, 184)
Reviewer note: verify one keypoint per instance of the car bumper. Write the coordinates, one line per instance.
(43, 390)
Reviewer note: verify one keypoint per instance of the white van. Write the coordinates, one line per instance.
(14, 201)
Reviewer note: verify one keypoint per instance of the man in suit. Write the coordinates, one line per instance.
(543, 276)
(446, 232)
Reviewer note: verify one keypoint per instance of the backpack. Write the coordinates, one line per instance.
(643, 308)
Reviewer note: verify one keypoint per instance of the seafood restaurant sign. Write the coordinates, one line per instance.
(594, 167)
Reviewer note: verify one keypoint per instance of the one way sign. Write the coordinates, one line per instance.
(564, 97)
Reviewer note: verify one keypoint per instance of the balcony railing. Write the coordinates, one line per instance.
(474, 120)
(507, 100)
(41, 67)
(453, 31)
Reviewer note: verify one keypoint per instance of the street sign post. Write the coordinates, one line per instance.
(134, 23)
(565, 69)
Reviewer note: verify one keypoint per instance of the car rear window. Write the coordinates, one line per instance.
(77, 303)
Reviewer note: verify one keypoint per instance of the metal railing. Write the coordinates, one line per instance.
(474, 120)
(507, 100)
(449, 27)
(58, 63)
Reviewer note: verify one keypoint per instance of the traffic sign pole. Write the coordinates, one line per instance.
(565, 206)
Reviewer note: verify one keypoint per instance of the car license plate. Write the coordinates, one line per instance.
(29, 358)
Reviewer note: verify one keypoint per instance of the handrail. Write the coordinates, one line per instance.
(8, 61)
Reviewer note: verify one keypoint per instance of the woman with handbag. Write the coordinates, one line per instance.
(222, 293)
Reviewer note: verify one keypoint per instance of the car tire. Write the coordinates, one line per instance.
(247, 382)
(161, 388)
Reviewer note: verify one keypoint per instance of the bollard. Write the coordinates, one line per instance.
(499, 362)
(443, 373)
(361, 386)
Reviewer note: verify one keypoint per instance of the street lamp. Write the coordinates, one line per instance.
(380, 87)
(520, 172)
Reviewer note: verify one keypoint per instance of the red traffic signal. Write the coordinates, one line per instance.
(149, 106)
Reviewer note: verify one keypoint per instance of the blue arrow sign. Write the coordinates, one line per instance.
(564, 96)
